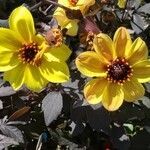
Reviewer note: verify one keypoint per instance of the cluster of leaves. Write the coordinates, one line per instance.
(59, 117)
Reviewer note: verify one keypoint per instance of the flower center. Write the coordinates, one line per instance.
(73, 2)
(119, 71)
(28, 52)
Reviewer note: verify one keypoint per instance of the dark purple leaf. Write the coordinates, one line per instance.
(52, 105)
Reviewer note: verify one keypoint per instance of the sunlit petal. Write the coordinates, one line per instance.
(33, 78)
(8, 61)
(84, 5)
(56, 72)
(72, 28)
(112, 97)
(142, 71)
(15, 76)
(90, 65)
(93, 90)
(103, 46)
(133, 90)
(137, 52)
(122, 41)
(60, 16)
(64, 3)
(38, 38)
(21, 21)
(122, 3)
(60, 53)
(9, 40)
(64, 22)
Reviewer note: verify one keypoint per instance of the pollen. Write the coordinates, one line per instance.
(28, 52)
(73, 2)
(119, 71)
(89, 40)
(54, 37)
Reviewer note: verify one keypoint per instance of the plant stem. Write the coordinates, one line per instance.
(36, 6)
(57, 4)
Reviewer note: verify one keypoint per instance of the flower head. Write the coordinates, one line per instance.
(71, 24)
(118, 66)
(26, 58)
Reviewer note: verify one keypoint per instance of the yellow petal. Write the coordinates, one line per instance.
(138, 51)
(38, 38)
(61, 17)
(42, 45)
(93, 90)
(121, 3)
(103, 46)
(21, 21)
(33, 78)
(64, 3)
(8, 61)
(60, 53)
(89, 64)
(84, 5)
(141, 71)
(9, 40)
(112, 97)
(122, 41)
(133, 90)
(64, 22)
(56, 72)
(81, 4)
(15, 76)
(72, 28)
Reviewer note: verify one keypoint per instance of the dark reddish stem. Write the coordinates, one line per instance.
(57, 4)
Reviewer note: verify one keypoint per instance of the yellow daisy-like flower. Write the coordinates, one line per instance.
(63, 21)
(121, 3)
(119, 68)
(26, 58)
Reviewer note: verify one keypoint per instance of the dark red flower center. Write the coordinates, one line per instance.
(27, 52)
(118, 71)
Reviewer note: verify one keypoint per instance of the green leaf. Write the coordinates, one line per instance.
(129, 126)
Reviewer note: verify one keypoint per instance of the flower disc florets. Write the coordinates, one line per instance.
(118, 71)
(28, 52)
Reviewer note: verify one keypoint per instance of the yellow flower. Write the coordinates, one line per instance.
(26, 58)
(119, 68)
(121, 3)
(63, 21)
